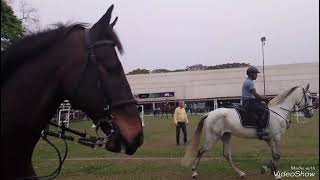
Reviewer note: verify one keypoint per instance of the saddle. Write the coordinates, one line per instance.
(250, 119)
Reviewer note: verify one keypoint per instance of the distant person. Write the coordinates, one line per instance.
(141, 114)
(181, 120)
(316, 102)
(195, 108)
(251, 100)
(158, 111)
(154, 112)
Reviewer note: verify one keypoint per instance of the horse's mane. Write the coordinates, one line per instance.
(30, 46)
(280, 98)
(24, 50)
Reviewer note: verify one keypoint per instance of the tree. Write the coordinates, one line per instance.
(29, 17)
(139, 71)
(195, 67)
(11, 26)
(160, 71)
(228, 65)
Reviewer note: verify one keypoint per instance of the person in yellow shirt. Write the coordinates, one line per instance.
(180, 120)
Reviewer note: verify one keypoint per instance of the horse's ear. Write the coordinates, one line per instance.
(114, 22)
(99, 27)
(105, 19)
(107, 16)
(307, 87)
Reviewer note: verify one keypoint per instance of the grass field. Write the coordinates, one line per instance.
(160, 157)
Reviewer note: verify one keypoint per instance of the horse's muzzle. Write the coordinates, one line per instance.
(308, 113)
(131, 148)
(117, 143)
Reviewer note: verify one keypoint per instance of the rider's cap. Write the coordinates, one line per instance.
(252, 69)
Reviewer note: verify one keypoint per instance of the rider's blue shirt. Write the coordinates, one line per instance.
(247, 88)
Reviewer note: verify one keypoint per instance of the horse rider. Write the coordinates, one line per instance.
(252, 101)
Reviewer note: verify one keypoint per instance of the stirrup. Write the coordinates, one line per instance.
(265, 135)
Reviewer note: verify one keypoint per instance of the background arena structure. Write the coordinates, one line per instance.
(209, 89)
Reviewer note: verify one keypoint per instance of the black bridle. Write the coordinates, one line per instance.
(306, 107)
(106, 122)
(91, 58)
(109, 105)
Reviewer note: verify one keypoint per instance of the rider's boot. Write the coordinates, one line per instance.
(262, 134)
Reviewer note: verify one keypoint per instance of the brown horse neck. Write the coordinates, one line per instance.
(29, 99)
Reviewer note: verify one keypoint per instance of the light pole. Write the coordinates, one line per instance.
(263, 40)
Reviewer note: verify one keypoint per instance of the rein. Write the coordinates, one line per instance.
(285, 119)
(56, 172)
(91, 142)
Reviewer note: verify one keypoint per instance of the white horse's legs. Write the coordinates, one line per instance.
(272, 164)
(206, 147)
(227, 153)
(201, 151)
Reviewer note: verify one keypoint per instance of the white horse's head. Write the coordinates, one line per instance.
(296, 96)
(305, 104)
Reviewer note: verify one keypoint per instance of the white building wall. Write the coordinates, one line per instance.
(225, 82)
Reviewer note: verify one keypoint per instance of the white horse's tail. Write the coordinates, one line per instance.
(193, 146)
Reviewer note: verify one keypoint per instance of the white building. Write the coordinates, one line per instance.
(220, 84)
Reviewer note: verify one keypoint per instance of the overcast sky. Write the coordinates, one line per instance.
(173, 34)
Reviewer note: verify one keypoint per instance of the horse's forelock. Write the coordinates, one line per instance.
(117, 41)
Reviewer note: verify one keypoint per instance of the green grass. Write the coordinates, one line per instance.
(300, 147)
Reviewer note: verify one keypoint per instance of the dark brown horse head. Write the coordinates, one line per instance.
(102, 90)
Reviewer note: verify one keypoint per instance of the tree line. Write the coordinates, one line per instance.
(196, 67)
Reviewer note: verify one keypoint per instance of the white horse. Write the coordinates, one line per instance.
(221, 123)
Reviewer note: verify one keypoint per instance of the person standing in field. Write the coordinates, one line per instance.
(181, 120)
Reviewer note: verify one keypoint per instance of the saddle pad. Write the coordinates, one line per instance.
(249, 120)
